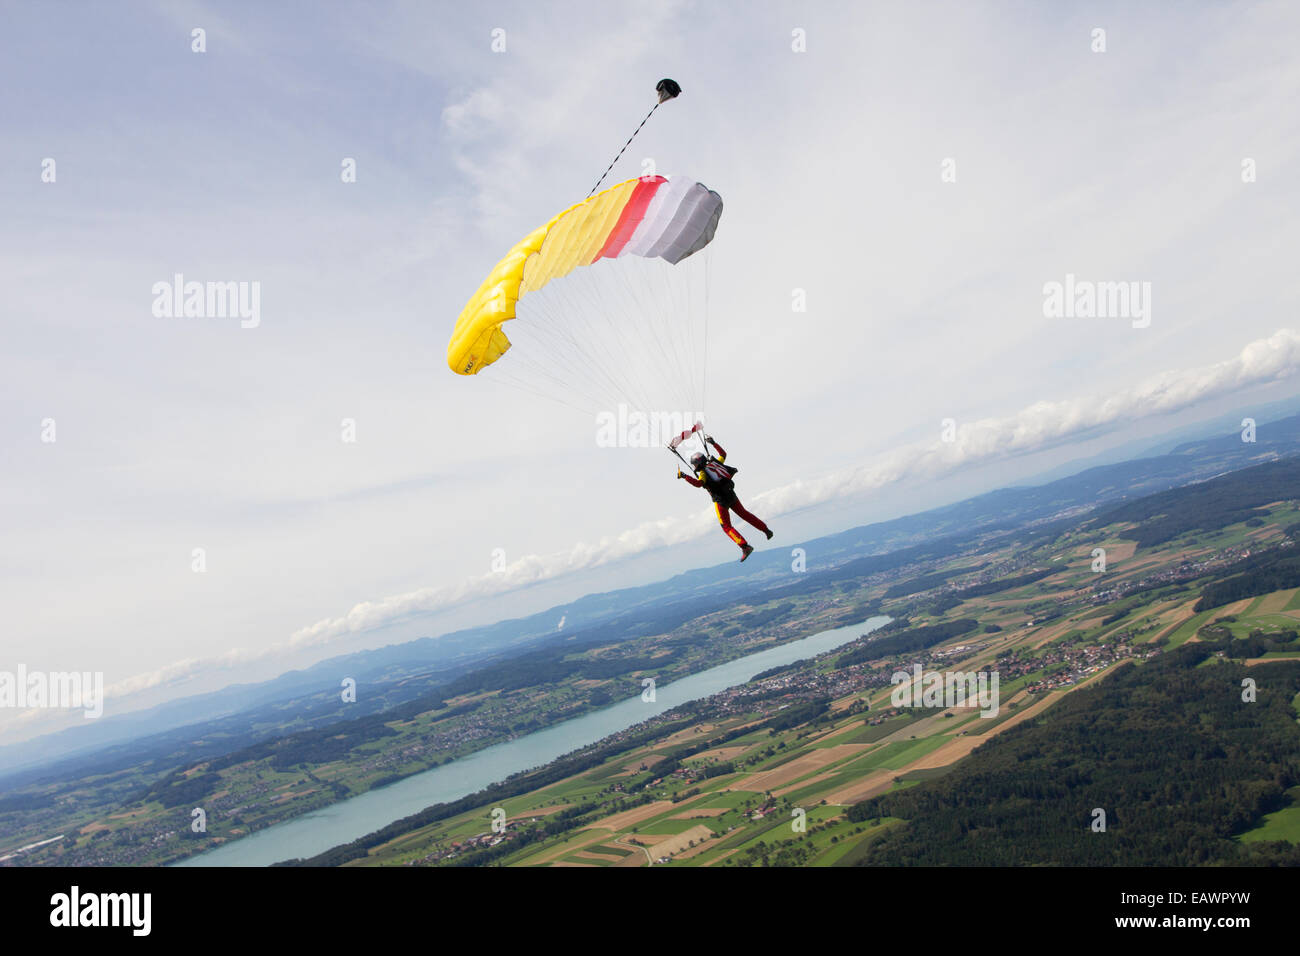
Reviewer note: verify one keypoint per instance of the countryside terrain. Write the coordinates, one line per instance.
(811, 765)
(1121, 689)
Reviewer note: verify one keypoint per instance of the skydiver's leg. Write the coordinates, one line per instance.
(724, 519)
(739, 509)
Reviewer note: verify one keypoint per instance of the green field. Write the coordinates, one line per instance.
(1282, 825)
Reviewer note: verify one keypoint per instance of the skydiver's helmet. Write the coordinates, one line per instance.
(698, 461)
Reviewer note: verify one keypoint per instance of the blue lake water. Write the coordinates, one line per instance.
(347, 820)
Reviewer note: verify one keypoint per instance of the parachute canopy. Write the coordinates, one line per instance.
(648, 217)
(667, 90)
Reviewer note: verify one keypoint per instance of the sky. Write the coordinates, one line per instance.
(920, 172)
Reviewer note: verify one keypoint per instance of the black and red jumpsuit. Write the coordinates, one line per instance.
(715, 478)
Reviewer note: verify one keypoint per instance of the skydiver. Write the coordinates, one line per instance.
(716, 478)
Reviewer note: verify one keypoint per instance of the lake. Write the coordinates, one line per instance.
(349, 819)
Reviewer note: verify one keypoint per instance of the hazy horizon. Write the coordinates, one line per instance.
(923, 179)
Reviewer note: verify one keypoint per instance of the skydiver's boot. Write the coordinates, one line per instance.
(745, 551)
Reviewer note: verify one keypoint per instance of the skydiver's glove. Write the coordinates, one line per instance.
(709, 439)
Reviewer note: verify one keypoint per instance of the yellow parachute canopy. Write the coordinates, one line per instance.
(649, 217)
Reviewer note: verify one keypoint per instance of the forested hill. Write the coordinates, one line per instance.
(1168, 750)
(1206, 506)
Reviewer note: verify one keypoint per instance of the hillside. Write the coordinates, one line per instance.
(1114, 693)
(1007, 579)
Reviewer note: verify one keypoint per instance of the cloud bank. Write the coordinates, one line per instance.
(1036, 427)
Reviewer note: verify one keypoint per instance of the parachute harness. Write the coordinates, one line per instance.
(698, 431)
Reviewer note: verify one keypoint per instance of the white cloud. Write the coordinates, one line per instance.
(1033, 428)
(479, 107)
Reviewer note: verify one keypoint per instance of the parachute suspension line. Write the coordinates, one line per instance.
(667, 90)
(577, 335)
(675, 329)
(627, 337)
(691, 306)
(672, 372)
(565, 357)
(567, 363)
(680, 322)
(682, 343)
(682, 302)
(557, 370)
(704, 366)
(621, 333)
(520, 386)
(613, 325)
(614, 328)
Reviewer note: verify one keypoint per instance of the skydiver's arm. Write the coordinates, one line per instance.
(685, 477)
(722, 455)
